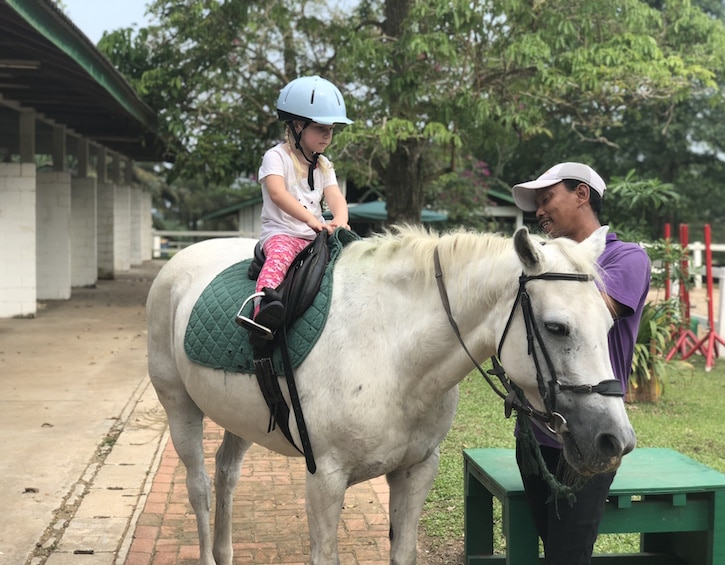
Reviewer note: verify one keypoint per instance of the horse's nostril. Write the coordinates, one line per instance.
(610, 446)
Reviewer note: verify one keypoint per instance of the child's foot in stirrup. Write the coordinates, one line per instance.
(269, 318)
(270, 315)
(247, 322)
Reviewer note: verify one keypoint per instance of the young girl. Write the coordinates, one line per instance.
(295, 176)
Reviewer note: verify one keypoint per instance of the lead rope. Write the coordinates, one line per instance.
(532, 463)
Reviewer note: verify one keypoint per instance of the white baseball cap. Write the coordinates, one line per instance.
(525, 192)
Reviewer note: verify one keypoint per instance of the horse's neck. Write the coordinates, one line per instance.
(479, 291)
(409, 308)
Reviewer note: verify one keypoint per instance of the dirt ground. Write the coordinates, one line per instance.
(68, 379)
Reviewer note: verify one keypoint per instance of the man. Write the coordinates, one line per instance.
(567, 200)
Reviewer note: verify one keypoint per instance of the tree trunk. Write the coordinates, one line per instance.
(401, 173)
(395, 13)
(403, 186)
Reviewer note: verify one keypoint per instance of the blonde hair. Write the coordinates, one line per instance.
(323, 162)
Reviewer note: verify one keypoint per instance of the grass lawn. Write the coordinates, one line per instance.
(688, 418)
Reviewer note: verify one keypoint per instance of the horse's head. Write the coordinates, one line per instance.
(554, 347)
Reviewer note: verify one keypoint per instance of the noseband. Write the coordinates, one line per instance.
(554, 421)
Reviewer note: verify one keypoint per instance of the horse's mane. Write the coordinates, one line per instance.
(418, 243)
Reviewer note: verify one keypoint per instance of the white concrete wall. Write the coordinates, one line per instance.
(250, 220)
(53, 235)
(18, 286)
(146, 226)
(122, 229)
(135, 227)
(106, 218)
(84, 232)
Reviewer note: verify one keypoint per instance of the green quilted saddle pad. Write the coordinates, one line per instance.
(213, 339)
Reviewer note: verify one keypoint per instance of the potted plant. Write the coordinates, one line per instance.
(657, 332)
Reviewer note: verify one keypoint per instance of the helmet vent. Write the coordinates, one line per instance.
(312, 97)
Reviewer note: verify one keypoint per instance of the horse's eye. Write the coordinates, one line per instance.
(557, 329)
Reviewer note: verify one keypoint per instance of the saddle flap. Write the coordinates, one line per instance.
(304, 277)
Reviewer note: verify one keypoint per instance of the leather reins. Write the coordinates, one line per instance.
(554, 421)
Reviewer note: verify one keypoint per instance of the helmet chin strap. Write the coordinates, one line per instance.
(312, 161)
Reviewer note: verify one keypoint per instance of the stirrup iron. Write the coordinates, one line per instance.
(249, 324)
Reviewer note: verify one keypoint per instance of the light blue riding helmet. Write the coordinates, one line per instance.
(312, 99)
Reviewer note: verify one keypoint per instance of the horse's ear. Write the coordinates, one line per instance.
(528, 250)
(596, 242)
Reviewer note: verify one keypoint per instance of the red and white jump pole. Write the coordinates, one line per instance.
(708, 344)
(686, 339)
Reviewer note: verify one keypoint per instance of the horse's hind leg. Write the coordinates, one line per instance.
(408, 490)
(228, 464)
(186, 425)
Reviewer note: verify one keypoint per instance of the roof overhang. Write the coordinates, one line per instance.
(48, 65)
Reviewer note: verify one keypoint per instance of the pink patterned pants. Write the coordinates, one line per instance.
(279, 251)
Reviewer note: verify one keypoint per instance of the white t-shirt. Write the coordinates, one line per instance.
(277, 161)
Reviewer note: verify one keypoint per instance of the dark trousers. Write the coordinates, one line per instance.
(568, 532)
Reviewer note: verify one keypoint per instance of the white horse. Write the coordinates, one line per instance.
(379, 389)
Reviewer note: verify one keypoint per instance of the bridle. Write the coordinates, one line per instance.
(553, 420)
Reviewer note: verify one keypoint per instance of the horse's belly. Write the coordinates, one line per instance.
(234, 402)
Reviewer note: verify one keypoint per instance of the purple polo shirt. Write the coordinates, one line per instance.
(625, 271)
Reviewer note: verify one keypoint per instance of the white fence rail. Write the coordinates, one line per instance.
(698, 266)
(167, 242)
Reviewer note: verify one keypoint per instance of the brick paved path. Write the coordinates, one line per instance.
(270, 525)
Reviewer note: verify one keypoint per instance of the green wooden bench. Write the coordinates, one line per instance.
(676, 504)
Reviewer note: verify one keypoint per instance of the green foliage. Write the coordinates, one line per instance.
(659, 326)
(639, 203)
(668, 258)
(463, 193)
(425, 81)
(182, 204)
(656, 336)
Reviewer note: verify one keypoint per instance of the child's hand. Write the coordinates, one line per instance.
(316, 225)
(334, 224)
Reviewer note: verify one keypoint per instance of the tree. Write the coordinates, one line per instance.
(423, 80)
(676, 142)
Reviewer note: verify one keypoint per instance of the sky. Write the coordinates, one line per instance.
(93, 17)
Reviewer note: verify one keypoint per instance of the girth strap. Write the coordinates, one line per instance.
(278, 410)
(296, 406)
(269, 386)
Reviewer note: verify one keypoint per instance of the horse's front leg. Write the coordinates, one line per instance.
(228, 464)
(324, 495)
(409, 488)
